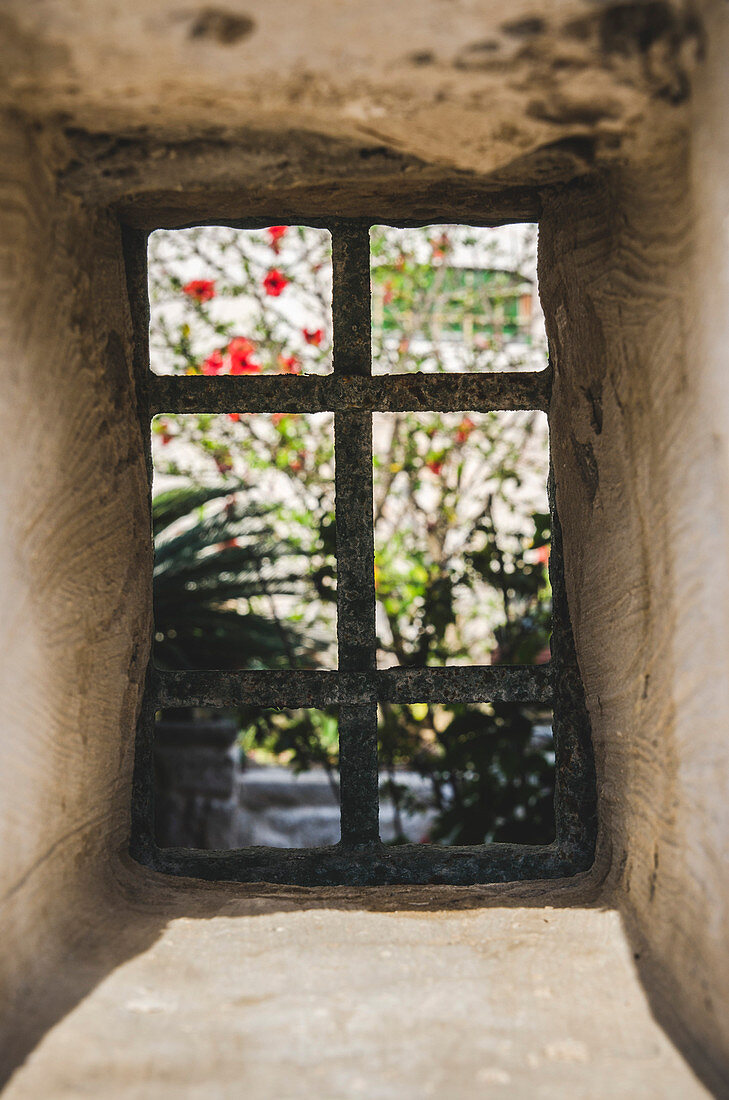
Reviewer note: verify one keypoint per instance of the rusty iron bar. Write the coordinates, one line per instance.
(357, 687)
(320, 688)
(355, 541)
(456, 392)
(142, 839)
(575, 796)
(358, 770)
(524, 208)
(373, 865)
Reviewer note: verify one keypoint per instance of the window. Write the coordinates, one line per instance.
(354, 394)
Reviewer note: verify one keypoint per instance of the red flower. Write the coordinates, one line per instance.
(297, 463)
(435, 465)
(289, 364)
(542, 554)
(245, 366)
(202, 290)
(240, 351)
(276, 418)
(214, 363)
(389, 293)
(275, 282)
(235, 417)
(276, 232)
(464, 429)
(166, 437)
(229, 544)
(314, 336)
(240, 348)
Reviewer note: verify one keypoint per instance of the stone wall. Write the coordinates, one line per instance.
(633, 269)
(607, 119)
(74, 565)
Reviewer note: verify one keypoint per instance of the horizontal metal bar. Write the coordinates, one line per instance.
(516, 206)
(375, 864)
(318, 688)
(465, 684)
(498, 391)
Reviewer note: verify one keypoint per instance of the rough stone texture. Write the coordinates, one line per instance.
(74, 571)
(146, 104)
(298, 993)
(634, 268)
(608, 118)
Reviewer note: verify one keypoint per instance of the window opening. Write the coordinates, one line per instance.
(455, 298)
(461, 524)
(357, 690)
(488, 776)
(237, 301)
(203, 799)
(245, 571)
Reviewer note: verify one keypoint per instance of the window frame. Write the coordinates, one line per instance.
(352, 393)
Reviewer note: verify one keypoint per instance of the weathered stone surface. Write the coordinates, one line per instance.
(406, 993)
(343, 110)
(632, 268)
(74, 572)
(610, 120)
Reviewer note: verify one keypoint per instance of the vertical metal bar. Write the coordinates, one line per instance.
(351, 300)
(355, 541)
(142, 838)
(358, 774)
(575, 794)
(356, 623)
(355, 537)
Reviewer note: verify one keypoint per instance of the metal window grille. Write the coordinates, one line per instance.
(353, 394)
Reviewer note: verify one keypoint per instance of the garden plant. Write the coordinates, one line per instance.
(461, 520)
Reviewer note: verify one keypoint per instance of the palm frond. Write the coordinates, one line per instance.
(210, 562)
(183, 500)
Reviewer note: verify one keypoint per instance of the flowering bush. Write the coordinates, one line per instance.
(461, 525)
(211, 288)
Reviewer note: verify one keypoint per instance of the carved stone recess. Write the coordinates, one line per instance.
(607, 122)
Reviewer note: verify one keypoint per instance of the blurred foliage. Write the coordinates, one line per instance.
(215, 554)
(491, 776)
(461, 523)
(302, 739)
